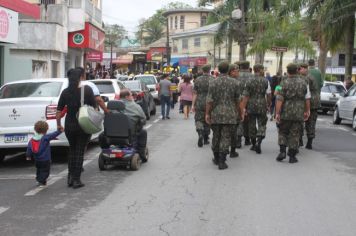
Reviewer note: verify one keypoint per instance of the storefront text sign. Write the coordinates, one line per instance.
(9, 26)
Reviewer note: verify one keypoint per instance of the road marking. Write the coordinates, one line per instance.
(17, 177)
(147, 126)
(53, 179)
(321, 119)
(354, 134)
(3, 209)
(344, 129)
(156, 121)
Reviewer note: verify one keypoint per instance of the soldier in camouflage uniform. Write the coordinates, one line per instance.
(200, 91)
(222, 109)
(292, 108)
(234, 73)
(244, 76)
(256, 102)
(314, 104)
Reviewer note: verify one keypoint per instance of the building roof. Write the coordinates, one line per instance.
(160, 43)
(185, 10)
(207, 29)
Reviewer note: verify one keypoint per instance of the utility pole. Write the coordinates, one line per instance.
(243, 43)
(168, 50)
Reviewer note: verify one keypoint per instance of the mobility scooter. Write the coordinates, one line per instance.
(117, 140)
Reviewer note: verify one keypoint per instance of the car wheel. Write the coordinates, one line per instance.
(101, 162)
(325, 111)
(336, 117)
(135, 162)
(354, 122)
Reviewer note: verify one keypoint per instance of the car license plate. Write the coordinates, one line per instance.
(15, 138)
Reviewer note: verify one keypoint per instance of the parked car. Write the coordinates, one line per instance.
(109, 88)
(151, 82)
(142, 96)
(330, 94)
(122, 77)
(345, 108)
(24, 102)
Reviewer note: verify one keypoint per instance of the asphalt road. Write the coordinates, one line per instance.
(180, 192)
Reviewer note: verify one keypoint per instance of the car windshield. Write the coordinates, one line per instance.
(31, 89)
(147, 79)
(336, 89)
(123, 78)
(133, 86)
(104, 86)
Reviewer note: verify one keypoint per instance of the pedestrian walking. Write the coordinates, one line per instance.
(186, 94)
(165, 95)
(310, 124)
(222, 111)
(256, 103)
(200, 92)
(77, 138)
(39, 149)
(234, 73)
(244, 76)
(316, 74)
(292, 109)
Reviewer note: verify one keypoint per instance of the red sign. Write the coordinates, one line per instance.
(95, 56)
(89, 38)
(4, 24)
(22, 7)
(154, 53)
(193, 61)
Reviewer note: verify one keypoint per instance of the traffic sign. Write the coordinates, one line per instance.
(279, 49)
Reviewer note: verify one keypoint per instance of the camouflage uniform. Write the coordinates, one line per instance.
(256, 90)
(201, 87)
(224, 96)
(293, 95)
(242, 129)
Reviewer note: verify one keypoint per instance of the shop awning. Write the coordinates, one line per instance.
(123, 59)
(22, 7)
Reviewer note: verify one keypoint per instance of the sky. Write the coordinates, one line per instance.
(128, 12)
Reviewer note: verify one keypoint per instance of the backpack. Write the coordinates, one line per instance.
(35, 145)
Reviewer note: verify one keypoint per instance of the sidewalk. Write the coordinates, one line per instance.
(180, 192)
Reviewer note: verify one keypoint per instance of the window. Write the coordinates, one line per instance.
(35, 89)
(196, 42)
(105, 87)
(202, 21)
(341, 59)
(181, 23)
(184, 43)
(354, 60)
(176, 22)
(171, 22)
(175, 48)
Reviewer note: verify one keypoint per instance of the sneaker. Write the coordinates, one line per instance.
(163, 118)
(168, 117)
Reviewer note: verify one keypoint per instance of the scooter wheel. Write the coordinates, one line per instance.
(135, 162)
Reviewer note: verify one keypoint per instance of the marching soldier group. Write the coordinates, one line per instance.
(236, 103)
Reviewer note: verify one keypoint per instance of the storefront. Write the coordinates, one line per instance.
(187, 63)
(156, 58)
(86, 47)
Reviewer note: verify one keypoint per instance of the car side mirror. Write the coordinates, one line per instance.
(105, 98)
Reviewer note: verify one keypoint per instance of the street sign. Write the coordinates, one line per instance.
(279, 49)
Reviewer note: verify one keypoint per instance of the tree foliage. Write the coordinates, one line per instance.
(114, 34)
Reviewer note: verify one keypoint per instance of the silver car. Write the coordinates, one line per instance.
(151, 82)
(330, 94)
(345, 108)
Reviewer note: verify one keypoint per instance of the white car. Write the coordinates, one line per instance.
(330, 94)
(109, 88)
(151, 82)
(345, 108)
(24, 102)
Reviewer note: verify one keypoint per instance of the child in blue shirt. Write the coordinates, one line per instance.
(38, 148)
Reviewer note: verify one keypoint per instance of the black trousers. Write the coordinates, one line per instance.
(42, 171)
(78, 141)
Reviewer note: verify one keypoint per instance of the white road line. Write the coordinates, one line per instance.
(320, 119)
(156, 121)
(53, 179)
(147, 126)
(354, 134)
(344, 129)
(17, 177)
(3, 209)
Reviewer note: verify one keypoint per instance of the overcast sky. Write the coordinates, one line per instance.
(128, 12)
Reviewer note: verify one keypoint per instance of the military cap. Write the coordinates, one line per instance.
(303, 64)
(206, 68)
(245, 65)
(233, 67)
(257, 67)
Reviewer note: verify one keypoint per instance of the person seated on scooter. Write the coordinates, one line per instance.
(138, 118)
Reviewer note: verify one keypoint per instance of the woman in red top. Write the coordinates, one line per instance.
(186, 94)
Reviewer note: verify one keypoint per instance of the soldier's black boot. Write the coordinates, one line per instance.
(222, 158)
(206, 139)
(247, 141)
(233, 152)
(216, 158)
(309, 144)
(238, 142)
(258, 145)
(292, 158)
(253, 147)
(200, 139)
(301, 144)
(69, 180)
(282, 153)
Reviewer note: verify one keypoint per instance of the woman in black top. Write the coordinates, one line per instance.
(77, 138)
